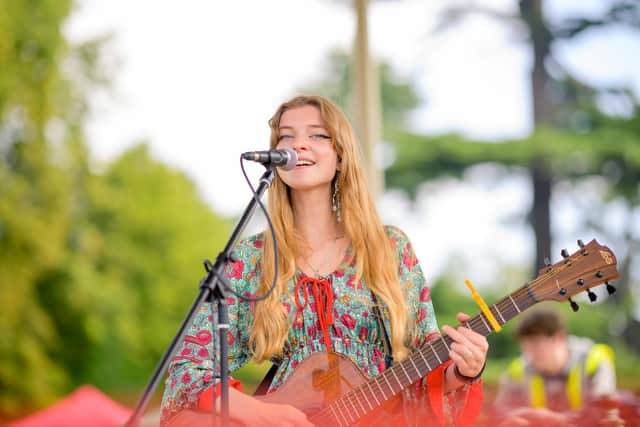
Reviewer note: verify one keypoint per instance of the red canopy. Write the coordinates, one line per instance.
(86, 406)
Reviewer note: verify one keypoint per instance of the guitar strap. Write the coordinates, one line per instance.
(377, 311)
(266, 381)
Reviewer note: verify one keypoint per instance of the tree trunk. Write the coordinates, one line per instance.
(540, 211)
(366, 100)
(543, 113)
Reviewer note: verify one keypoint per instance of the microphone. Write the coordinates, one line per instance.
(284, 158)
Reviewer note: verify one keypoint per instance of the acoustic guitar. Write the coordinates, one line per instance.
(332, 391)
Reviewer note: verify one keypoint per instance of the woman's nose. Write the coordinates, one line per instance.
(300, 143)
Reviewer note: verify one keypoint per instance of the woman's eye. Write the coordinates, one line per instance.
(320, 136)
(282, 137)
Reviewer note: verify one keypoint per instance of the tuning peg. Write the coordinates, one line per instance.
(547, 261)
(580, 282)
(583, 251)
(564, 253)
(610, 289)
(592, 296)
(574, 305)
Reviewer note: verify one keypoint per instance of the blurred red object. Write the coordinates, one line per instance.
(86, 406)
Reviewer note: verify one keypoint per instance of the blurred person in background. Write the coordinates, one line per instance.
(338, 266)
(559, 379)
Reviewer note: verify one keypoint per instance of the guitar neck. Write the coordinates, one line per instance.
(591, 265)
(436, 352)
(431, 355)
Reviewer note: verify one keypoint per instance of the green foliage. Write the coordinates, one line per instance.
(125, 270)
(34, 196)
(155, 230)
(106, 306)
(97, 269)
(31, 46)
(609, 152)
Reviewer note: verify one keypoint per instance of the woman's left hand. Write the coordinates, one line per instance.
(469, 348)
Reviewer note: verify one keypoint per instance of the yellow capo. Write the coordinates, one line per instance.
(483, 306)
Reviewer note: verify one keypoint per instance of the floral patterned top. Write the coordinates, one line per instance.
(354, 333)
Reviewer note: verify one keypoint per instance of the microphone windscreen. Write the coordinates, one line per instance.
(292, 159)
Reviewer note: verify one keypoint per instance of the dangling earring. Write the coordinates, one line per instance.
(335, 199)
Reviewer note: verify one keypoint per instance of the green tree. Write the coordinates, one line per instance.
(34, 191)
(156, 231)
(587, 142)
(98, 265)
(558, 99)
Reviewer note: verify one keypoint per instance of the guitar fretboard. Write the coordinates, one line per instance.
(352, 406)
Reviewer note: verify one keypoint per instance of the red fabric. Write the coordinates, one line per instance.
(86, 406)
(321, 289)
(435, 389)
(205, 399)
(471, 406)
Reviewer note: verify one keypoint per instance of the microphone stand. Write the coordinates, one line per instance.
(212, 289)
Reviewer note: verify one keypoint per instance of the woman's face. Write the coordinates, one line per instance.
(303, 130)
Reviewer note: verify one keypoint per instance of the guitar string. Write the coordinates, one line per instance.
(475, 322)
(511, 310)
(360, 394)
(353, 396)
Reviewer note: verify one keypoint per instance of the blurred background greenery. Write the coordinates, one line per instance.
(98, 264)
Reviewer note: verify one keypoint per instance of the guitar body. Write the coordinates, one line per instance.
(322, 378)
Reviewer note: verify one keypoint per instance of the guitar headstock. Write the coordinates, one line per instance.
(591, 265)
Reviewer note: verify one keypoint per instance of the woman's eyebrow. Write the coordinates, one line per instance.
(281, 128)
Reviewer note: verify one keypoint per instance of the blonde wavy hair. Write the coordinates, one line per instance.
(375, 258)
